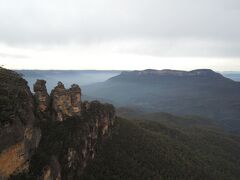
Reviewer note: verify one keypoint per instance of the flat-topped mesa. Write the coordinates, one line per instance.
(41, 96)
(174, 73)
(65, 102)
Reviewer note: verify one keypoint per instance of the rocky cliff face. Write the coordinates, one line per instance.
(19, 135)
(66, 151)
(48, 137)
(42, 100)
(62, 103)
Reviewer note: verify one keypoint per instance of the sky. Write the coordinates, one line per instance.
(120, 35)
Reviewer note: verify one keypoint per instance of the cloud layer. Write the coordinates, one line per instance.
(159, 28)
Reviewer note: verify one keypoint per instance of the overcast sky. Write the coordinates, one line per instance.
(120, 34)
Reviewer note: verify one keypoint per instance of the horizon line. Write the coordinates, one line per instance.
(227, 71)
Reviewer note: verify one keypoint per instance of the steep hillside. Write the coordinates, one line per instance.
(149, 150)
(168, 119)
(199, 92)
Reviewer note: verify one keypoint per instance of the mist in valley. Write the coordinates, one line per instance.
(67, 77)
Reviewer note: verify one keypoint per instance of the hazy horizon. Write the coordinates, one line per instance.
(83, 77)
(117, 70)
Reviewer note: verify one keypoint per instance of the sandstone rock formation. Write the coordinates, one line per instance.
(65, 102)
(42, 99)
(62, 103)
(50, 137)
(18, 134)
(77, 147)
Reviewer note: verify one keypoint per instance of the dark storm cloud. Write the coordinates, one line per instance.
(164, 22)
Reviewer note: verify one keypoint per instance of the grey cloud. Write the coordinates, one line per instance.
(184, 47)
(93, 21)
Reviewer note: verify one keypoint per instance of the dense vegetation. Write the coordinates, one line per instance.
(10, 81)
(168, 119)
(149, 150)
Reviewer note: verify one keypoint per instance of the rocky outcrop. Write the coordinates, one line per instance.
(102, 115)
(76, 146)
(19, 135)
(83, 125)
(42, 99)
(48, 137)
(65, 102)
(61, 104)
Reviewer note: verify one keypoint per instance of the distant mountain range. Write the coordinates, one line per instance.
(82, 77)
(234, 75)
(199, 92)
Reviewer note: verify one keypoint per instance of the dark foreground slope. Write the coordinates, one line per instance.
(19, 135)
(149, 150)
(200, 92)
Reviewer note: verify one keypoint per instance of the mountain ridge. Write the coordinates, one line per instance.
(200, 92)
(169, 73)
